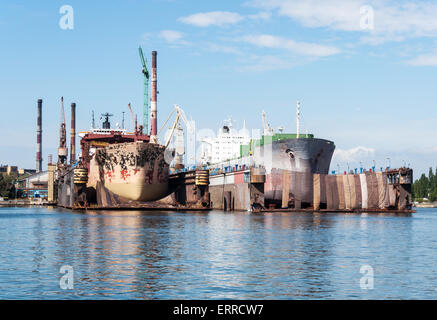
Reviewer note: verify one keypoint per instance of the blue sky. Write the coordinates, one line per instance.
(371, 91)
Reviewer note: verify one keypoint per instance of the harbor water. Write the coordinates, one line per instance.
(216, 255)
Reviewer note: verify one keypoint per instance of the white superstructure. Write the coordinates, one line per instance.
(226, 145)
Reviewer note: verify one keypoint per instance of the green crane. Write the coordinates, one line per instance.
(146, 92)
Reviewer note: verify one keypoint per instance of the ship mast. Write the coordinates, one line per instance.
(297, 118)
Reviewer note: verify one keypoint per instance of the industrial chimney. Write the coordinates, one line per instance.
(73, 134)
(153, 109)
(39, 138)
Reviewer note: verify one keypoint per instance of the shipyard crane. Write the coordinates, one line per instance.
(146, 91)
(180, 141)
(268, 130)
(62, 150)
(180, 115)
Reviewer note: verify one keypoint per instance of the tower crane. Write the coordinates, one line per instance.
(146, 92)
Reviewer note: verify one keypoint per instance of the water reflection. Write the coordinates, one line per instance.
(169, 255)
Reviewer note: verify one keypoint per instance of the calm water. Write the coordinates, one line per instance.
(168, 255)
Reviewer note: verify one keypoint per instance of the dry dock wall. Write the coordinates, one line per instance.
(240, 190)
(371, 190)
(244, 190)
(230, 191)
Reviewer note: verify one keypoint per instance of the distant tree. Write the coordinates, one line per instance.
(426, 186)
(6, 183)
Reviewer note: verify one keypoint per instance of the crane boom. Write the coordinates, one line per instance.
(142, 57)
(184, 118)
(180, 114)
(62, 111)
(168, 118)
(132, 116)
(146, 91)
(172, 130)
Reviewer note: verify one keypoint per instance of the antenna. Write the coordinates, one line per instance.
(122, 123)
(106, 124)
(229, 121)
(297, 118)
(94, 122)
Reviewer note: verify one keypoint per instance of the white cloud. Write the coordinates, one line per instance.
(425, 60)
(392, 19)
(303, 48)
(376, 40)
(354, 154)
(263, 15)
(172, 36)
(266, 63)
(213, 47)
(217, 18)
(146, 36)
(337, 14)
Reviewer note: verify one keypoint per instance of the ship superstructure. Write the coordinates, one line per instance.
(225, 146)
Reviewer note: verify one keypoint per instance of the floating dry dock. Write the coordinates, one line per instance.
(243, 190)
(123, 170)
(120, 170)
(389, 190)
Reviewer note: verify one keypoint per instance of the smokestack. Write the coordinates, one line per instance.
(39, 138)
(153, 100)
(73, 134)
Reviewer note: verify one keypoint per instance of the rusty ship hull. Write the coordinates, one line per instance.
(134, 171)
(299, 159)
(288, 163)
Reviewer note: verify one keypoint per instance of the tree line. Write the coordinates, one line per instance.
(426, 187)
(7, 188)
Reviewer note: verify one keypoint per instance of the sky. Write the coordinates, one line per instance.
(364, 71)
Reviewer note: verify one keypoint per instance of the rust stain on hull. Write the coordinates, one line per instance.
(136, 171)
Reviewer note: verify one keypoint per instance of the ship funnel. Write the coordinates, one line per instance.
(153, 102)
(39, 137)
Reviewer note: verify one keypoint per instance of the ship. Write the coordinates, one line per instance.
(115, 166)
(126, 164)
(289, 160)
